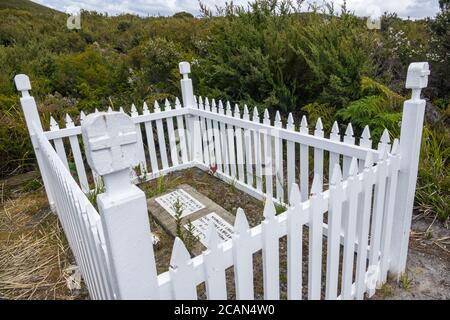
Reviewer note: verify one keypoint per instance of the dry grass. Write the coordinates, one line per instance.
(34, 253)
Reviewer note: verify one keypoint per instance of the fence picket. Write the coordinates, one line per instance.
(217, 137)
(365, 142)
(150, 140)
(161, 138)
(231, 145)
(278, 145)
(242, 258)
(334, 157)
(349, 239)
(377, 220)
(77, 157)
(182, 274)
(304, 161)
(239, 147)
(270, 252)
(223, 140)
(257, 153)
(348, 139)
(171, 134)
(294, 244)
(59, 144)
(268, 162)
(334, 233)
(318, 153)
(290, 149)
(181, 134)
(216, 288)
(363, 234)
(248, 149)
(208, 148)
(140, 144)
(315, 241)
(394, 166)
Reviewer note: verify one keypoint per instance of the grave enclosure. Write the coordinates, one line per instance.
(357, 211)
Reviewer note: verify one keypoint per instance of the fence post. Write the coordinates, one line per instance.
(410, 140)
(32, 117)
(193, 123)
(110, 141)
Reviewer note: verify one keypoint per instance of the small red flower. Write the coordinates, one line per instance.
(212, 169)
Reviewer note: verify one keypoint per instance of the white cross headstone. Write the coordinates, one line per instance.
(111, 142)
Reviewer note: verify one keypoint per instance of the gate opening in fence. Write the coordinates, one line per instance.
(354, 200)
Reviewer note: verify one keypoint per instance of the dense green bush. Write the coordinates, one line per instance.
(270, 54)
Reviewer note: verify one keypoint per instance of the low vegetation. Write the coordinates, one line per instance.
(271, 54)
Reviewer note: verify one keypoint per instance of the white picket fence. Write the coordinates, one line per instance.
(358, 216)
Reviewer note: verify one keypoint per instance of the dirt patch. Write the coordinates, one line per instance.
(428, 266)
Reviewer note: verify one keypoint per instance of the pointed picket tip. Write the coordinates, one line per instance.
(213, 105)
(96, 110)
(180, 255)
(237, 112)
(53, 123)
(266, 114)
(156, 106)
(316, 185)
(133, 109)
(366, 133)
(295, 196)
(319, 125)
(335, 128)
(349, 130)
(395, 147)
(240, 223)
(200, 100)
(368, 163)
(353, 167)
(212, 238)
(177, 102)
(304, 122)
(255, 113)
(277, 116)
(290, 120)
(82, 116)
(110, 109)
(68, 119)
(167, 105)
(337, 174)
(145, 108)
(221, 104)
(121, 110)
(246, 110)
(385, 137)
(269, 208)
(228, 108)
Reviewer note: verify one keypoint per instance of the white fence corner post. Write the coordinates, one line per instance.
(193, 123)
(410, 141)
(110, 140)
(33, 122)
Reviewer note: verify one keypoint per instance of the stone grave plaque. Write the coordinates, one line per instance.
(196, 207)
(224, 229)
(188, 203)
